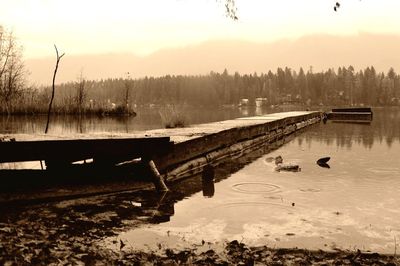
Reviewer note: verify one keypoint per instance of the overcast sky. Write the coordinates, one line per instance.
(144, 26)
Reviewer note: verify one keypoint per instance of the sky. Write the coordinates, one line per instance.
(142, 27)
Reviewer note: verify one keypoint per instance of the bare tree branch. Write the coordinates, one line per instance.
(53, 88)
(11, 71)
(230, 9)
(80, 93)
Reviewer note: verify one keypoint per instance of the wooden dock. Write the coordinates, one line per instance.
(351, 114)
(203, 144)
(66, 151)
(177, 153)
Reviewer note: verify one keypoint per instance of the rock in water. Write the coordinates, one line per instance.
(269, 159)
(288, 167)
(323, 160)
(324, 165)
(278, 160)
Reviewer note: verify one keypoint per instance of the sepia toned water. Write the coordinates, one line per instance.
(352, 205)
(146, 119)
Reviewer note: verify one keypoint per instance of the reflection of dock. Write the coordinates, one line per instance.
(177, 153)
(193, 149)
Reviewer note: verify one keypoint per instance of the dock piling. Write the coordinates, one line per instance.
(157, 179)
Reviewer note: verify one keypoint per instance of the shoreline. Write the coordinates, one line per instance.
(73, 232)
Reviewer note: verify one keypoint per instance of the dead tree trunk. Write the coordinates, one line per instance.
(53, 88)
(127, 93)
(80, 94)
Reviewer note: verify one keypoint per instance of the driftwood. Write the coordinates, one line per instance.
(280, 166)
(158, 180)
(288, 167)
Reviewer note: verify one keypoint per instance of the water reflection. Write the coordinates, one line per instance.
(255, 188)
(208, 176)
(159, 207)
(384, 128)
(147, 118)
(351, 205)
(354, 203)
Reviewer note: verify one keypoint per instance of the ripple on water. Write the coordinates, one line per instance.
(314, 190)
(255, 204)
(255, 187)
(384, 170)
(270, 162)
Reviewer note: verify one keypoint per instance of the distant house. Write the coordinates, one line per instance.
(395, 101)
(244, 102)
(285, 98)
(260, 101)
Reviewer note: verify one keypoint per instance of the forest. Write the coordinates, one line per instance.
(341, 87)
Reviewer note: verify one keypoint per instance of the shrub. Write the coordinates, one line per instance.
(173, 116)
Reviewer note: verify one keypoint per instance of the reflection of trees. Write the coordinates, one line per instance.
(385, 127)
(147, 118)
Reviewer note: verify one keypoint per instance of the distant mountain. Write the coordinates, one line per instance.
(320, 51)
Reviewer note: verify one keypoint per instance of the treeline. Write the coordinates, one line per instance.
(343, 86)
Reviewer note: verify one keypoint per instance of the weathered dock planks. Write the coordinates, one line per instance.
(168, 146)
(174, 154)
(194, 149)
(195, 141)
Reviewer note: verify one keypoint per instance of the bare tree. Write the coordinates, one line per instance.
(128, 86)
(53, 88)
(80, 93)
(12, 72)
(231, 10)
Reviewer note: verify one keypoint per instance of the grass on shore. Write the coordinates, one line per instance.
(173, 116)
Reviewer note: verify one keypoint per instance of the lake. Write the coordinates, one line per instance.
(146, 119)
(352, 205)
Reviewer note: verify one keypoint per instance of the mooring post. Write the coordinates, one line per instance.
(157, 179)
(207, 179)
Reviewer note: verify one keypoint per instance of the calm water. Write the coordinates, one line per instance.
(147, 118)
(352, 205)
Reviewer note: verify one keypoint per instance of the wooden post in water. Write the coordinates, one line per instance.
(208, 181)
(157, 179)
